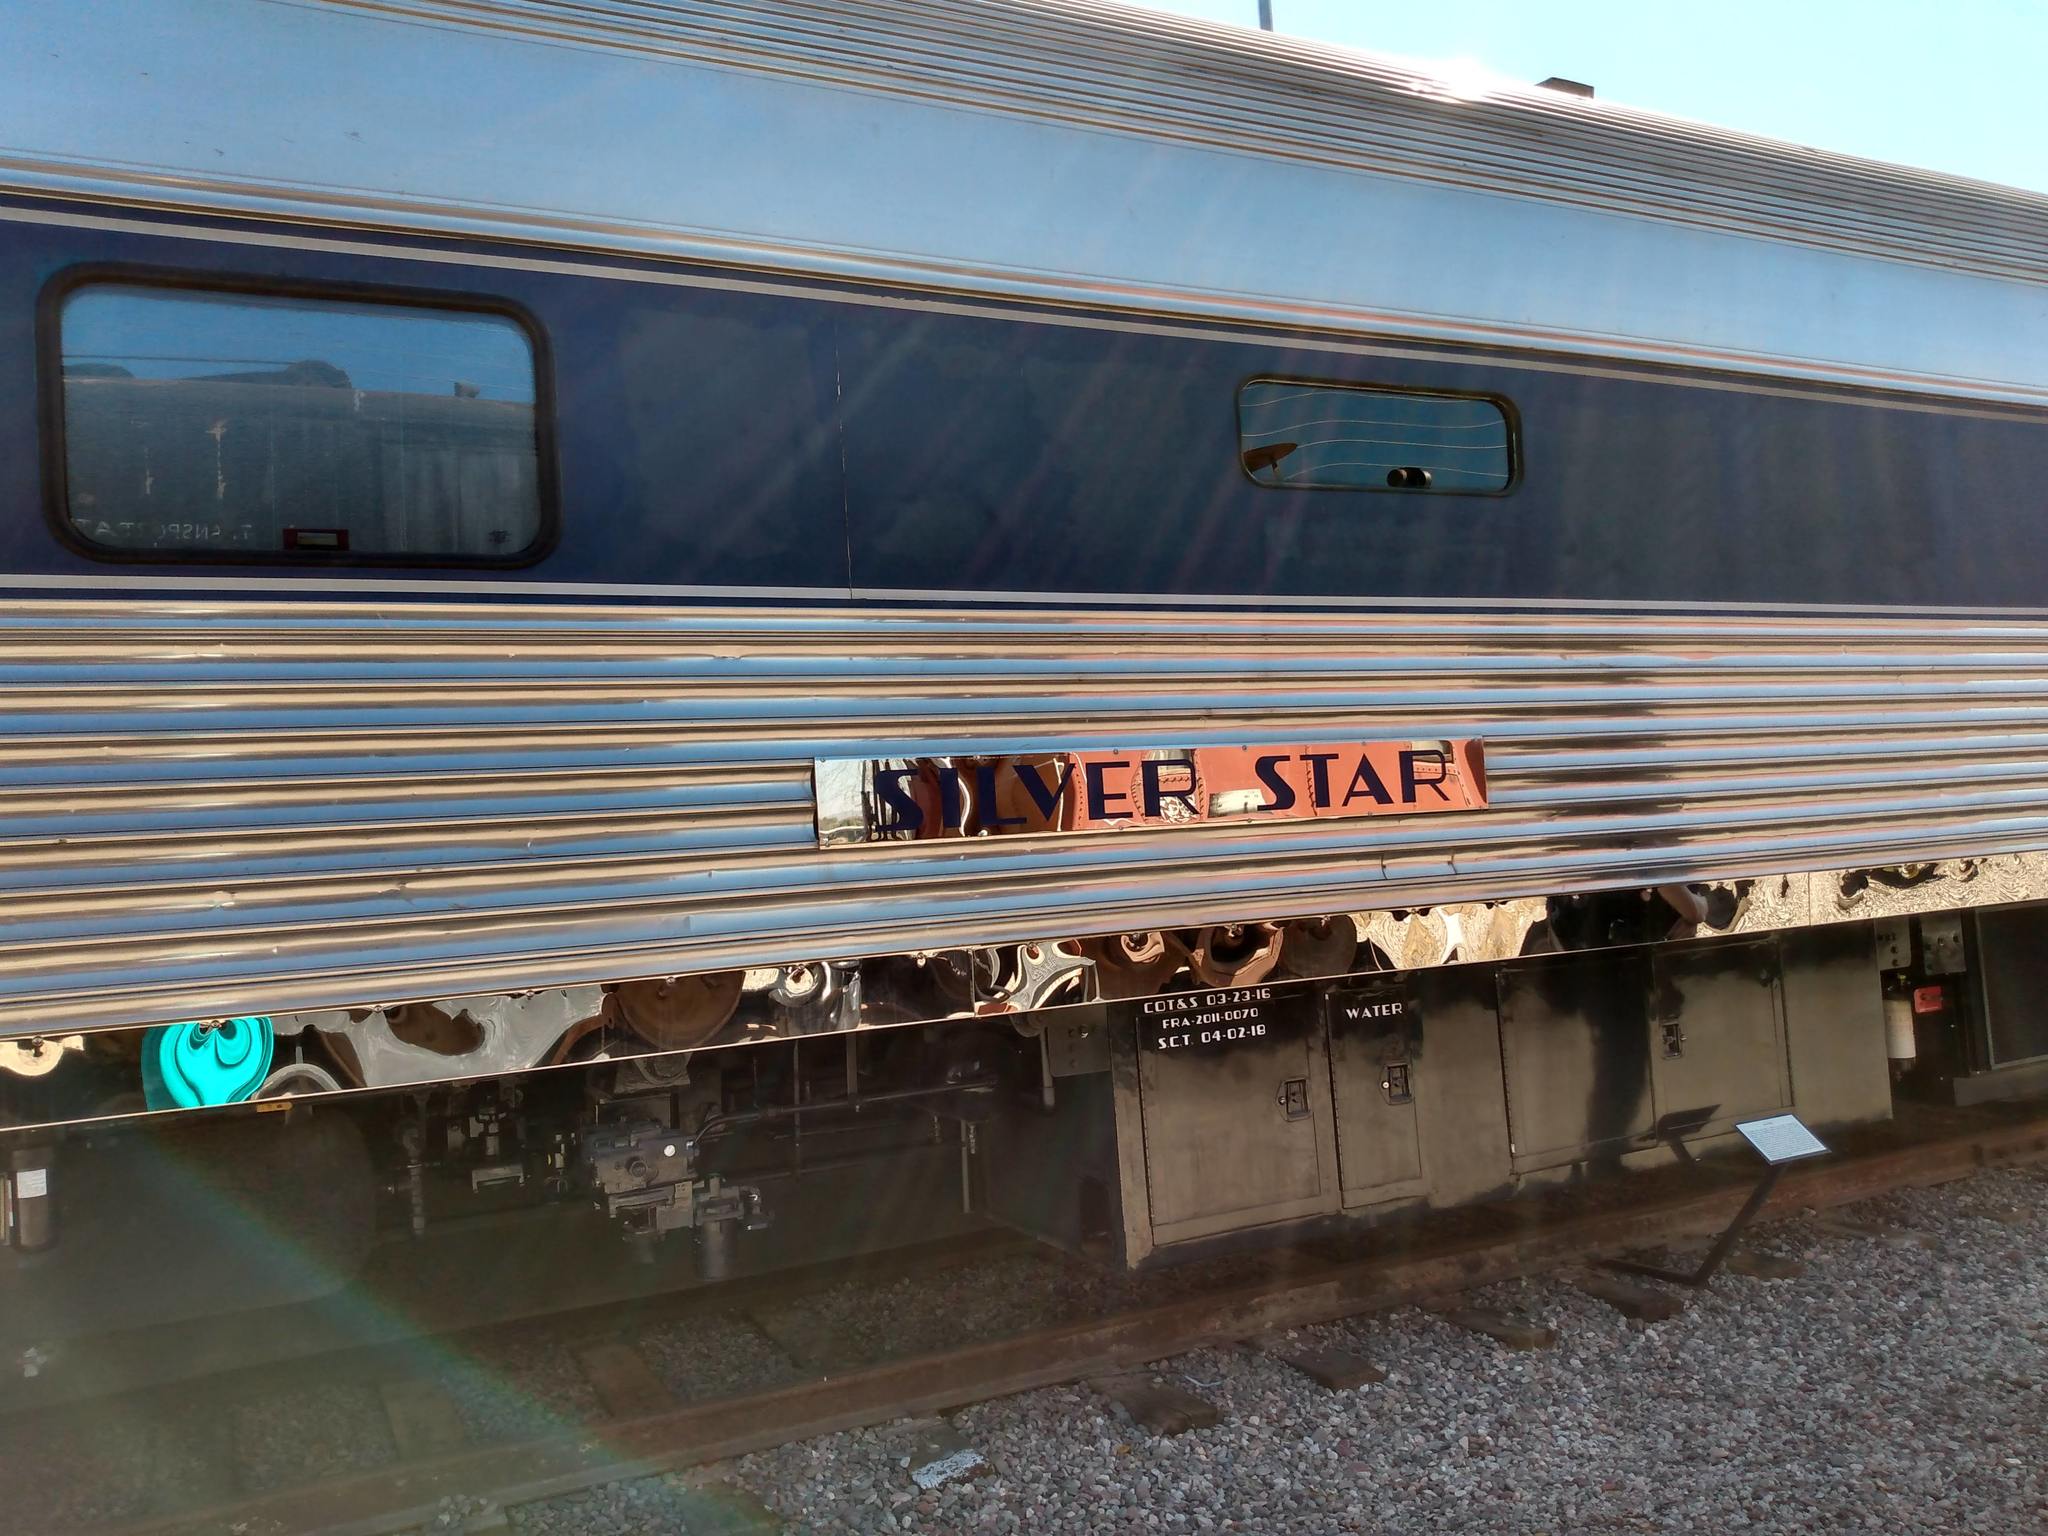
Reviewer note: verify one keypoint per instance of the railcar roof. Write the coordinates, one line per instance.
(1078, 150)
(1134, 70)
(1100, 64)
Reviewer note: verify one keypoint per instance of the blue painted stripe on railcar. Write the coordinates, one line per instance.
(967, 464)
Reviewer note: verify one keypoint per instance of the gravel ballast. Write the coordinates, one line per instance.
(1896, 1385)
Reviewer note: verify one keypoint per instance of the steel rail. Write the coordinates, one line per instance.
(1313, 1289)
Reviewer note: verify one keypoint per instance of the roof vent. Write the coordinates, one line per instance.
(1569, 87)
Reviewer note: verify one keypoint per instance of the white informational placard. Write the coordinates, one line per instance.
(1781, 1139)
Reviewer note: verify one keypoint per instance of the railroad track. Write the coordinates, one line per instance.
(638, 1427)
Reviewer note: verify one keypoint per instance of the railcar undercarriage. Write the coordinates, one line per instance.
(1137, 1097)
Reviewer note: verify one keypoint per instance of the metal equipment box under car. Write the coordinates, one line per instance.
(1219, 1111)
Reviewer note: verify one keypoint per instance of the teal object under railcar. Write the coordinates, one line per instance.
(186, 1066)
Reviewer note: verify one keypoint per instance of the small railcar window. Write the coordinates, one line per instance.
(1336, 437)
(208, 424)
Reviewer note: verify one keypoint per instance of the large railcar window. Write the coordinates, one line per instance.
(201, 424)
(1335, 437)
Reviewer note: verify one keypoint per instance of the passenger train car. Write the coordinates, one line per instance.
(1173, 635)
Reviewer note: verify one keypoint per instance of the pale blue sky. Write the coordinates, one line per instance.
(1958, 86)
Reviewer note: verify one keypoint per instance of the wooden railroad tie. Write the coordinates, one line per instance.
(1883, 1231)
(1327, 1365)
(1754, 1265)
(1161, 1409)
(193, 1457)
(1636, 1302)
(1512, 1332)
(423, 1418)
(806, 1341)
(623, 1380)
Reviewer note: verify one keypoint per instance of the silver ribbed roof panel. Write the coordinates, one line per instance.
(1080, 152)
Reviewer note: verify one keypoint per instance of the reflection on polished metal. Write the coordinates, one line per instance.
(52, 1079)
(267, 807)
(955, 96)
(934, 797)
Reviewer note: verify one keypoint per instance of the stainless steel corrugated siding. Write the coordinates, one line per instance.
(244, 806)
(1103, 65)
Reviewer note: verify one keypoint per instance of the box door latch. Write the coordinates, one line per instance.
(1294, 1098)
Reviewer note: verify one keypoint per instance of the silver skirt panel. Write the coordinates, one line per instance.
(214, 808)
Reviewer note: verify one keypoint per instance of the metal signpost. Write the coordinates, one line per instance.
(1778, 1140)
